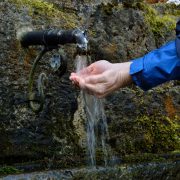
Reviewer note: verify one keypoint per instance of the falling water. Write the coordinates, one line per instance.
(104, 129)
(95, 118)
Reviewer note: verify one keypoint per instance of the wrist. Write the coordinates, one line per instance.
(127, 73)
(124, 78)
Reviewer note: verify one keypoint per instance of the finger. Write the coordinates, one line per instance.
(95, 89)
(72, 78)
(74, 81)
(94, 79)
(86, 71)
(100, 96)
(108, 90)
(73, 74)
(74, 84)
(80, 82)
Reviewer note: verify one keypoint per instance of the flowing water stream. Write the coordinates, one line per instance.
(96, 120)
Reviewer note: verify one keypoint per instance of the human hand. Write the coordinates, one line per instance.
(102, 77)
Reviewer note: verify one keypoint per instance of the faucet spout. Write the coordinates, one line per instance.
(81, 41)
(52, 38)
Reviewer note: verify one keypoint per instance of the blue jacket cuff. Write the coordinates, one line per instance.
(136, 69)
(156, 67)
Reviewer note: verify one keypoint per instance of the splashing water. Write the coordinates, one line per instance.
(96, 117)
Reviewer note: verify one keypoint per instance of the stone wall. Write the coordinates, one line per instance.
(138, 121)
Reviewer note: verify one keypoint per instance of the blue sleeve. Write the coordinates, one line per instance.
(156, 67)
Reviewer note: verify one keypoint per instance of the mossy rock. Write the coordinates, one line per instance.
(131, 3)
(158, 134)
(160, 17)
(160, 23)
(145, 157)
(40, 8)
(147, 134)
(9, 170)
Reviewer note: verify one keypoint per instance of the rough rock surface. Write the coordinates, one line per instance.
(116, 33)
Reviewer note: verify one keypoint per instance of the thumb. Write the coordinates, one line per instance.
(80, 81)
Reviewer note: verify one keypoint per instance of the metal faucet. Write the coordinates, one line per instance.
(49, 39)
(52, 38)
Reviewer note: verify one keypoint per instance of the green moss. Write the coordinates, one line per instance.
(166, 9)
(146, 134)
(146, 157)
(108, 8)
(43, 8)
(159, 134)
(175, 152)
(159, 24)
(132, 3)
(9, 170)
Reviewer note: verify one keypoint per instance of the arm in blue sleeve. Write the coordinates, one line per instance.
(156, 67)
